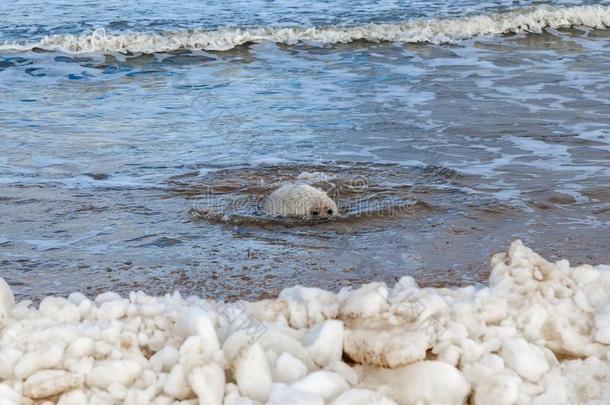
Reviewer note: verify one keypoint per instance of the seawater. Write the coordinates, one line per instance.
(137, 141)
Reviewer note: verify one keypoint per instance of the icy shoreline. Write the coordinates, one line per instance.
(539, 333)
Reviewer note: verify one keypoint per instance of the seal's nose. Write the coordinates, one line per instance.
(324, 213)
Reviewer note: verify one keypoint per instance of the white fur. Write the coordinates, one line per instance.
(300, 200)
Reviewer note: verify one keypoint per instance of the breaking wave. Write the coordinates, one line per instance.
(446, 30)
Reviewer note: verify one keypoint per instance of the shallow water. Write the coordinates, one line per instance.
(438, 154)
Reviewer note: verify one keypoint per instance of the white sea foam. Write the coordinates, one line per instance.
(527, 20)
(538, 334)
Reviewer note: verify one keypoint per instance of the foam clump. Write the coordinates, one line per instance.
(538, 333)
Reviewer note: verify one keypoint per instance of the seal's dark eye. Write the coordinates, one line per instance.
(315, 213)
(330, 212)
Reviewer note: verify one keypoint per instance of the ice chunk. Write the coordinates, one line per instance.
(357, 396)
(602, 324)
(8, 396)
(308, 305)
(208, 382)
(165, 359)
(324, 342)
(471, 351)
(425, 382)
(107, 296)
(323, 383)
(107, 372)
(449, 354)
(76, 397)
(49, 357)
(117, 391)
(9, 357)
(385, 347)
(282, 395)
(531, 320)
(177, 384)
(232, 396)
(366, 301)
(493, 383)
(198, 322)
(59, 309)
(6, 301)
(112, 309)
(345, 371)
(289, 369)
(525, 358)
(252, 372)
(80, 347)
(195, 353)
(46, 383)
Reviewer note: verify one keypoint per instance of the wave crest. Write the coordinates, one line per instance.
(436, 31)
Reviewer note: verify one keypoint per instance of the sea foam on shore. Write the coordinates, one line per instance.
(539, 333)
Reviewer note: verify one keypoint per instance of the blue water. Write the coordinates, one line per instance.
(107, 155)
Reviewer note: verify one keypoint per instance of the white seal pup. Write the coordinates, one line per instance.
(300, 200)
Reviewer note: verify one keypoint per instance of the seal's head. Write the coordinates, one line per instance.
(300, 200)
